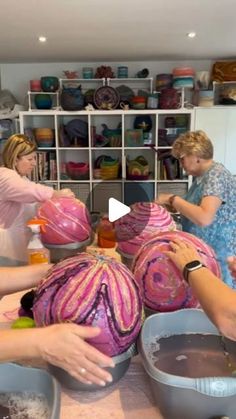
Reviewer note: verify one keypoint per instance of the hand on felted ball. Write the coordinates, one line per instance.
(64, 345)
(182, 253)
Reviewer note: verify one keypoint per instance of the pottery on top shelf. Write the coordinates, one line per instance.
(49, 84)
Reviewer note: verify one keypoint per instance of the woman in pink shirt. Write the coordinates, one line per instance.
(18, 196)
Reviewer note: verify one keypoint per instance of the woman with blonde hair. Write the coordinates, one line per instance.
(18, 198)
(208, 208)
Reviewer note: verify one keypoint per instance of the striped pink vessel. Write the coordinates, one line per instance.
(162, 285)
(144, 220)
(68, 221)
(95, 290)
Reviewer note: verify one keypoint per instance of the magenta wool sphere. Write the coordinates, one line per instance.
(94, 290)
(68, 221)
(161, 283)
(144, 220)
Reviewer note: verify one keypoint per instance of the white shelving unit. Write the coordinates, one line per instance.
(54, 95)
(135, 83)
(95, 192)
(85, 83)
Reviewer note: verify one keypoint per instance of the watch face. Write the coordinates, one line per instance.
(193, 264)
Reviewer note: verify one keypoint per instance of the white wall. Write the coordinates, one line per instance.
(15, 77)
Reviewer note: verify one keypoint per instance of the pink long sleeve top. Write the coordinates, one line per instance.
(15, 191)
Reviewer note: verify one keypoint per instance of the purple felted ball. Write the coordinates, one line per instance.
(92, 290)
(161, 283)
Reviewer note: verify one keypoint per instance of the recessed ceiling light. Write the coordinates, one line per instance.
(42, 39)
(191, 34)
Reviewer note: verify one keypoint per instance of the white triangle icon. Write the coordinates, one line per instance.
(116, 209)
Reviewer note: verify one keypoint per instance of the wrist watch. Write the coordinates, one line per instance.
(190, 267)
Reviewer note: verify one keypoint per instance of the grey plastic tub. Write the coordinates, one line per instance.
(62, 251)
(126, 259)
(181, 397)
(16, 378)
(121, 361)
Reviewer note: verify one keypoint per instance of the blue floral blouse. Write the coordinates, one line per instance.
(221, 233)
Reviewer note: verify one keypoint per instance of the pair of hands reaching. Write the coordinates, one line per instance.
(63, 345)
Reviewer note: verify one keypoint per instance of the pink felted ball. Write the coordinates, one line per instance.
(68, 221)
(162, 285)
(144, 220)
(92, 290)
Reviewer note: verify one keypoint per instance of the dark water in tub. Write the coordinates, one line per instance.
(196, 355)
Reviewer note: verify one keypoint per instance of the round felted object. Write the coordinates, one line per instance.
(161, 283)
(68, 221)
(94, 290)
(144, 220)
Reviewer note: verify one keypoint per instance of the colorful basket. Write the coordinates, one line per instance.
(138, 169)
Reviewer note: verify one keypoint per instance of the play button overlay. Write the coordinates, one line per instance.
(116, 209)
(112, 212)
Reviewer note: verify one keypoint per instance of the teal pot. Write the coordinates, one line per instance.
(49, 84)
(43, 101)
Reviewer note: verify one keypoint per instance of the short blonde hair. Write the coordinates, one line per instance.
(194, 143)
(17, 145)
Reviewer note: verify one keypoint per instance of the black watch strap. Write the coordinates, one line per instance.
(190, 267)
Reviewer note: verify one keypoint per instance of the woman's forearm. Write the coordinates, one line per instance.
(216, 299)
(21, 278)
(194, 213)
(19, 344)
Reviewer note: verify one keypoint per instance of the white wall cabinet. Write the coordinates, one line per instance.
(220, 125)
(94, 190)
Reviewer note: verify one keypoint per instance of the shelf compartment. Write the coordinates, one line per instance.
(175, 188)
(73, 130)
(138, 192)
(106, 130)
(102, 192)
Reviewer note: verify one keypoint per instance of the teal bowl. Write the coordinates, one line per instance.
(43, 101)
(49, 84)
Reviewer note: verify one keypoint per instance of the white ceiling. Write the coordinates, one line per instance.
(116, 30)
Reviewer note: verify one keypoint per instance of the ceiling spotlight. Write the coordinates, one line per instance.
(191, 34)
(42, 39)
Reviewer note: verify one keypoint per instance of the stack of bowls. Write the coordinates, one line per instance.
(183, 77)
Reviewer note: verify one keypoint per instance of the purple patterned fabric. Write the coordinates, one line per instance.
(92, 290)
(68, 221)
(162, 285)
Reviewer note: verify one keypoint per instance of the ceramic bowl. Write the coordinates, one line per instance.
(49, 84)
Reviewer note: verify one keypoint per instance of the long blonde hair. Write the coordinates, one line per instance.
(17, 145)
(194, 143)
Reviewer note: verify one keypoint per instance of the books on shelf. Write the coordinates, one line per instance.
(46, 167)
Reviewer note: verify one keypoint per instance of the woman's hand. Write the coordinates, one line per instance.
(232, 265)
(63, 193)
(63, 345)
(163, 199)
(182, 253)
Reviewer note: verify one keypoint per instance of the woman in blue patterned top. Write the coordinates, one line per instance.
(208, 210)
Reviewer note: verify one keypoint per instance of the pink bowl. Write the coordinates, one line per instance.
(35, 85)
